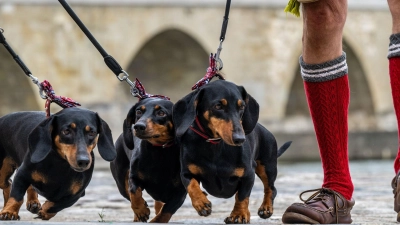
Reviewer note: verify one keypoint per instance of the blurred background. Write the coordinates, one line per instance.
(166, 43)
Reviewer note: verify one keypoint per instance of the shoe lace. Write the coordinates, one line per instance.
(320, 195)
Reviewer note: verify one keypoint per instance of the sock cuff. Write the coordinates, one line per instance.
(394, 46)
(324, 71)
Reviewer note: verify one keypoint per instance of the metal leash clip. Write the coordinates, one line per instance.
(218, 60)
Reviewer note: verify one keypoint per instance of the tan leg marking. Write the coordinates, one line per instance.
(10, 211)
(266, 206)
(43, 214)
(139, 206)
(158, 206)
(161, 218)
(7, 169)
(240, 212)
(199, 200)
(32, 201)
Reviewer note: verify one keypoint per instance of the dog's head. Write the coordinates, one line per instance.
(73, 133)
(224, 109)
(150, 119)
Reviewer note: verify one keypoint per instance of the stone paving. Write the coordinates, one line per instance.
(373, 194)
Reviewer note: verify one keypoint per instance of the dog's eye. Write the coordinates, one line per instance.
(218, 106)
(161, 113)
(139, 113)
(66, 132)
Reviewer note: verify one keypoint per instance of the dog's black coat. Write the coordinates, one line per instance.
(150, 157)
(225, 110)
(54, 156)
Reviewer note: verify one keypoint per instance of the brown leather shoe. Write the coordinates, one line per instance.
(323, 207)
(396, 191)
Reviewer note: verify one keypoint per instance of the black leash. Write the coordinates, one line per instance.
(108, 59)
(46, 91)
(21, 63)
(222, 36)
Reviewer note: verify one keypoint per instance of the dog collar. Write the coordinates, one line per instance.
(202, 134)
(166, 145)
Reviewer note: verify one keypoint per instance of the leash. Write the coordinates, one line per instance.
(121, 74)
(45, 89)
(215, 62)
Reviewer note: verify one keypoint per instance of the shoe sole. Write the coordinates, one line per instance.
(291, 217)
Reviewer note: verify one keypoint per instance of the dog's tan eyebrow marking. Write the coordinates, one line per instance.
(157, 107)
(224, 101)
(87, 128)
(73, 125)
(142, 107)
(240, 102)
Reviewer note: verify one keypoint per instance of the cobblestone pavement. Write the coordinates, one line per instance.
(373, 195)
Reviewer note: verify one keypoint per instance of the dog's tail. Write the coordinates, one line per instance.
(284, 147)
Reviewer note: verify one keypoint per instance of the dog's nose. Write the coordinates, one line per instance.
(238, 139)
(139, 127)
(83, 161)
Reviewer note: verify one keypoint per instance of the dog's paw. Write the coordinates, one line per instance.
(45, 215)
(141, 214)
(237, 216)
(9, 215)
(202, 205)
(33, 206)
(265, 212)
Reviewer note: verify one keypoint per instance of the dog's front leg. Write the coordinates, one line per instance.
(240, 212)
(32, 203)
(19, 187)
(44, 213)
(199, 199)
(139, 205)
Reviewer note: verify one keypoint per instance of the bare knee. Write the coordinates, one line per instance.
(325, 16)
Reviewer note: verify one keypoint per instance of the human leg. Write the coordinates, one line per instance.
(394, 72)
(324, 71)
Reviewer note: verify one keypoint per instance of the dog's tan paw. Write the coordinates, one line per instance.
(9, 215)
(33, 206)
(238, 216)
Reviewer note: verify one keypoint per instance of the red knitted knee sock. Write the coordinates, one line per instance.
(394, 71)
(328, 103)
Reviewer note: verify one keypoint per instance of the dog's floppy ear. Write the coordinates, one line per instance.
(105, 143)
(184, 112)
(251, 112)
(127, 132)
(40, 141)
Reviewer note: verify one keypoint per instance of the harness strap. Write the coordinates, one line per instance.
(202, 134)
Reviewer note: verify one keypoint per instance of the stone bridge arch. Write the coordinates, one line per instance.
(361, 109)
(169, 63)
(16, 92)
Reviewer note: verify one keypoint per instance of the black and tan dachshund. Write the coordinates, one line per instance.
(148, 159)
(54, 158)
(223, 147)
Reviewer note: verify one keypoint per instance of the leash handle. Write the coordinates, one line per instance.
(108, 59)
